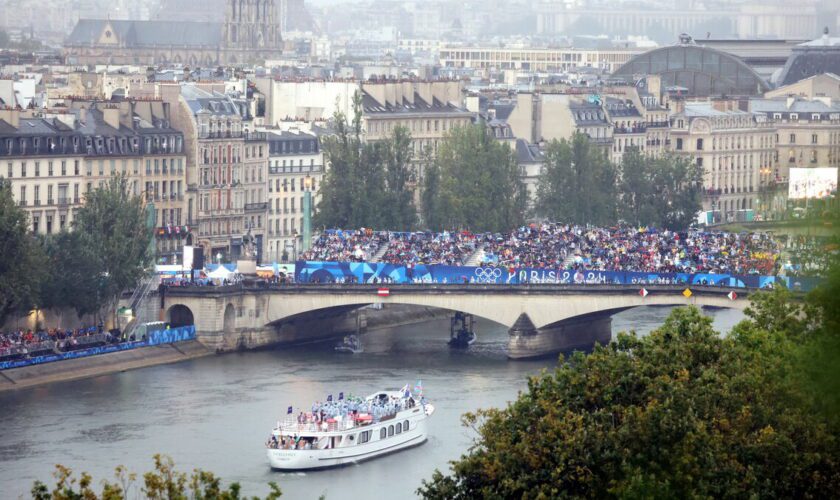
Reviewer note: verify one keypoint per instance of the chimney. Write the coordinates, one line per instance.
(111, 116)
(10, 116)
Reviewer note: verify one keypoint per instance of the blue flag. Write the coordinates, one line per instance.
(289, 411)
(329, 398)
(340, 396)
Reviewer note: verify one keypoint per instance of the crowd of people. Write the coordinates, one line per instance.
(452, 249)
(625, 248)
(346, 246)
(22, 343)
(563, 246)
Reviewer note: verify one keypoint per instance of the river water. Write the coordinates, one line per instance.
(215, 413)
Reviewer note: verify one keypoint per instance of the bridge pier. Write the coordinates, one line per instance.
(528, 342)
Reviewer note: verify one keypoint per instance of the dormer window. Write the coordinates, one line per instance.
(794, 117)
(815, 117)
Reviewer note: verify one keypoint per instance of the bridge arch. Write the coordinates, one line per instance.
(179, 315)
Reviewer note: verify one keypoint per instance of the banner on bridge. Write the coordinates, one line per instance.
(376, 273)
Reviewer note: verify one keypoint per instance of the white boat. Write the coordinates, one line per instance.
(383, 423)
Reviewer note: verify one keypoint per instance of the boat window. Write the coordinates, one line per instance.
(390, 430)
(405, 425)
(364, 437)
(383, 433)
(399, 428)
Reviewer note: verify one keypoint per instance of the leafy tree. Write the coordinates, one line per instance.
(21, 259)
(578, 183)
(164, 482)
(367, 184)
(681, 413)
(474, 183)
(74, 273)
(662, 191)
(114, 219)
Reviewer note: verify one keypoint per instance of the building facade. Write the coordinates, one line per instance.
(55, 159)
(534, 59)
(296, 165)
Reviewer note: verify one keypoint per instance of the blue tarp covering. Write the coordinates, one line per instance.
(154, 338)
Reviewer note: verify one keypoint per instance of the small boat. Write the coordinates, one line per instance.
(349, 431)
(462, 339)
(350, 345)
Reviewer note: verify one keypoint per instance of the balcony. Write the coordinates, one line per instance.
(630, 130)
(63, 202)
(662, 124)
(256, 206)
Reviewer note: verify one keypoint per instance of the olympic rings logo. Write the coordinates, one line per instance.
(488, 274)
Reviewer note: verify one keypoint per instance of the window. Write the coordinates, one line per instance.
(364, 437)
(37, 200)
(101, 167)
(76, 167)
(405, 425)
(793, 138)
(699, 144)
(35, 220)
(49, 169)
(89, 167)
(679, 144)
(399, 428)
(813, 138)
(11, 173)
(390, 430)
(23, 195)
(37, 169)
(383, 433)
(49, 224)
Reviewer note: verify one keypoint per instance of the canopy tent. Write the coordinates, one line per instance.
(220, 273)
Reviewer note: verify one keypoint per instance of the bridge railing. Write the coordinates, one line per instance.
(386, 274)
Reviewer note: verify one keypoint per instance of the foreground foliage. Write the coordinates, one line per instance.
(162, 483)
(681, 413)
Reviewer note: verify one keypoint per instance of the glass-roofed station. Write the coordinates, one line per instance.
(696, 70)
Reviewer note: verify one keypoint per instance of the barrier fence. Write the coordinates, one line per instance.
(153, 338)
(380, 272)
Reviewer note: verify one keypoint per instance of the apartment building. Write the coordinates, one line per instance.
(296, 165)
(54, 158)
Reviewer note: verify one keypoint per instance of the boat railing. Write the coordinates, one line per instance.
(295, 426)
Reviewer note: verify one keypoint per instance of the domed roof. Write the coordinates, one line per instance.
(702, 70)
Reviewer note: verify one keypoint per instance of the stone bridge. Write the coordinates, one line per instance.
(542, 319)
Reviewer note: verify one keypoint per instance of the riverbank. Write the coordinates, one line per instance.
(103, 364)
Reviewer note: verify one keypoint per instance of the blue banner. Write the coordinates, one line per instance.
(383, 273)
(154, 338)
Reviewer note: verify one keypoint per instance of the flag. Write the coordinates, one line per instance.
(418, 387)
(340, 396)
(329, 398)
(643, 292)
(732, 295)
(289, 411)
(383, 292)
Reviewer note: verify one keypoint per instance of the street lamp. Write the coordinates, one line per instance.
(307, 212)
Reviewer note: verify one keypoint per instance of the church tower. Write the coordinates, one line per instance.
(251, 30)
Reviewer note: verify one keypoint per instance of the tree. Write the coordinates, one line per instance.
(21, 258)
(114, 219)
(164, 482)
(74, 274)
(578, 183)
(681, 413)
(662, 191)
(367, 184)
(474, 183)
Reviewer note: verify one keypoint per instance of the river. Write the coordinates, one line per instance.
(216, 412)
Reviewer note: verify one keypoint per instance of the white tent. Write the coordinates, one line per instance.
(220, 273)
